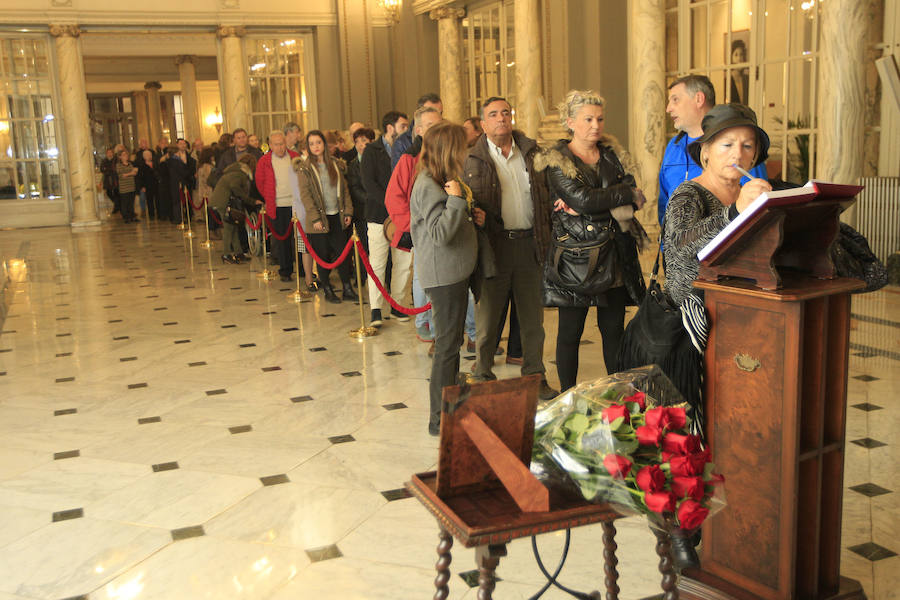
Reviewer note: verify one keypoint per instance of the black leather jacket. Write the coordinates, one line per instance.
(592, 191)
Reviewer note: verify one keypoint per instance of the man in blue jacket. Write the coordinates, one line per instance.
(690, 98)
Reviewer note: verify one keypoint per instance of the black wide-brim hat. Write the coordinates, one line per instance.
(725, 116)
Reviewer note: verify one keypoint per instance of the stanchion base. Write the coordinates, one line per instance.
(363, 332)
(206, 245)
(188, 234)
(299, 296)
(180, 227)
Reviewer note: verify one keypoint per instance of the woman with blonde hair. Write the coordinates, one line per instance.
(442, 226)
(593, 259)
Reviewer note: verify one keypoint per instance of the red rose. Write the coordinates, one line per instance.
(667, 456)
(690, 487)
(677, 443)
(691, 514)
(657, 418)
(651, 479)
(660, 502)
(638, 397)
(618, 466)
(699, 460)
(648, 436)
(677, 417)
(681, 466)
(614, 412)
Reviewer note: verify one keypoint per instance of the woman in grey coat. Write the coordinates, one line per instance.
(442, 225)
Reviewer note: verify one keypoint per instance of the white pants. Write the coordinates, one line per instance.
(378, 255)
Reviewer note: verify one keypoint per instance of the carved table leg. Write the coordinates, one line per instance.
(442, 566)
(669, 579)
(610, 561)
(487, 558)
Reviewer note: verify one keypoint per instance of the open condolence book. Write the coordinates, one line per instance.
(813, 191)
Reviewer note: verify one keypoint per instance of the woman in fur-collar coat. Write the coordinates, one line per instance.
(593, 258)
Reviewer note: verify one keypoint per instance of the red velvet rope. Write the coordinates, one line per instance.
(317, 258)
(212, 213)
(396, 305)
(251, 225)
(196, 206)
(280, 238)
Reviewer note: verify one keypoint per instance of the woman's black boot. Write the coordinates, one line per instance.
(330, 296)
(348, 293)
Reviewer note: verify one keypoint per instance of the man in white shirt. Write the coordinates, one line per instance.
(500, 171)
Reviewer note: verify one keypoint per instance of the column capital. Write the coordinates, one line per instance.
(446, 12)
(152, 85)
(65, 31)
(139, 93)
(224, 31)
(186, 58)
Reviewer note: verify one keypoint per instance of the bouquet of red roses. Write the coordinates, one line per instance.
(617, 444)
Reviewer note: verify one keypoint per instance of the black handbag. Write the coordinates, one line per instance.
(582, 255)
(234, 212)
(657, 335)
(853, 257)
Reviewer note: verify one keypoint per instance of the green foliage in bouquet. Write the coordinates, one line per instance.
(617, 446)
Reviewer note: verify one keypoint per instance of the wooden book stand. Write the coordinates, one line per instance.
(484, 494)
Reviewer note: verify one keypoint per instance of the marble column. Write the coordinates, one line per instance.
(647, 98)
(232, 78)
(70, 66)
(528, 66)
(450, 60)
(839, 155)
(154, 112)
(143, 121)
(190, 104)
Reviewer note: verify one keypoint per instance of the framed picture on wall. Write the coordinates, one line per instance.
(738, 53)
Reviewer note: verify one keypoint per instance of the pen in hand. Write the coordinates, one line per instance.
(742, 171)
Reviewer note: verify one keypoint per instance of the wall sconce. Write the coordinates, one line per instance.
(391, 10)
(215, 120)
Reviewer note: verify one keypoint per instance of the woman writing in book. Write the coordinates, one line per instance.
(703, 206)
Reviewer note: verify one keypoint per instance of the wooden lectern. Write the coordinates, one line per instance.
(775, 394)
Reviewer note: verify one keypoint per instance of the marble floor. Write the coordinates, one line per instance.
(175, 428)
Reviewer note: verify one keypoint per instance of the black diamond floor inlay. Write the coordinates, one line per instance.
(341, 439)
(323, 553)
(274, 479)
(146, 420)
(167, 323)
(866, 378)
(66, 454)
(63, 334)
(866, 406)
(114, 321)
(270, 369)
(120, 337)
(868, 443)
(394, 406)
(398, 494)
(872, 551)
(199, 363)
(216, 392)
(296, 399)
(229, 326)
(251, 345)
(318, 349)
(182, 341)
(393, 353)
(64, 379)
(169, 466)
(291, 329)
(329, 315)
(187, 532)
(62, 354)
(127, 358)
(65, 515)
(870, 489)
(240, 429)
(134, 386)
(351, 374)
(64, 411)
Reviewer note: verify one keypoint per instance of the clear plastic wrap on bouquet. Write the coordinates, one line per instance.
(624, 439)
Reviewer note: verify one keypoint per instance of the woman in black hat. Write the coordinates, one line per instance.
(701, 207)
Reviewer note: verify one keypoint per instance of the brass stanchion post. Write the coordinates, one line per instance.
(180, 226)
(207, 244)
(187, 211)
(265, 275)
(363, 331)
(298, 295)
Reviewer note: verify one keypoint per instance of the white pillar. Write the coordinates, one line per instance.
(232, 78)
(189, 101)
(154, 111)
(70, 66)
(528, 66)
(143, 123)
(450, 61)
(647, 93)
